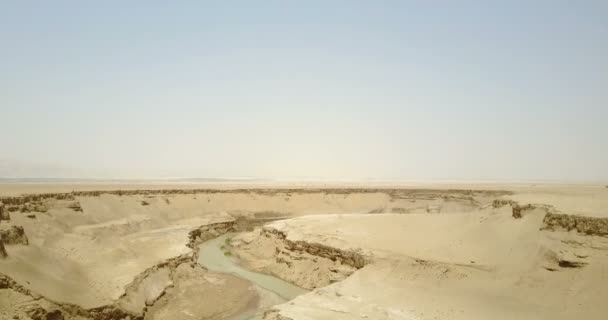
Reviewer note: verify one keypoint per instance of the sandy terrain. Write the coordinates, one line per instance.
(420, 251)
(478, 265)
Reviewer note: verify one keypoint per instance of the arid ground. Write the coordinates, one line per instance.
(420, 251)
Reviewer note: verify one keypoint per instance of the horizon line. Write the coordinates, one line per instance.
(219, 180)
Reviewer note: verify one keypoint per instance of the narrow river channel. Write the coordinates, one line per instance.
(272, 290)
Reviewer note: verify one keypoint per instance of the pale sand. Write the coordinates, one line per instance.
(88, 258)
(483, 265)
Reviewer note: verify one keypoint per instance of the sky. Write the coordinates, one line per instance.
(337, 90)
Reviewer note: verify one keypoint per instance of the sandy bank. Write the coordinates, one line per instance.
(477, 265)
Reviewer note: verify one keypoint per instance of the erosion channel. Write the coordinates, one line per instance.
(215, 255)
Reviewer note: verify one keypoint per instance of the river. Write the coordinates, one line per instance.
(214, 255)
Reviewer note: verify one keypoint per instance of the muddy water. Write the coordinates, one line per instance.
(214, 255)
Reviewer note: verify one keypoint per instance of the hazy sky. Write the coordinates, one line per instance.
(509, 90)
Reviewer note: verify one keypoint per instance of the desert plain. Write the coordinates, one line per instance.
(303, 251)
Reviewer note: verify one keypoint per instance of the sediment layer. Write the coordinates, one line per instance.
(35, 202)
(209, 231)
(3, 253)
(586, 225)
(345, 257)
(306, 264)
(13, 235)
